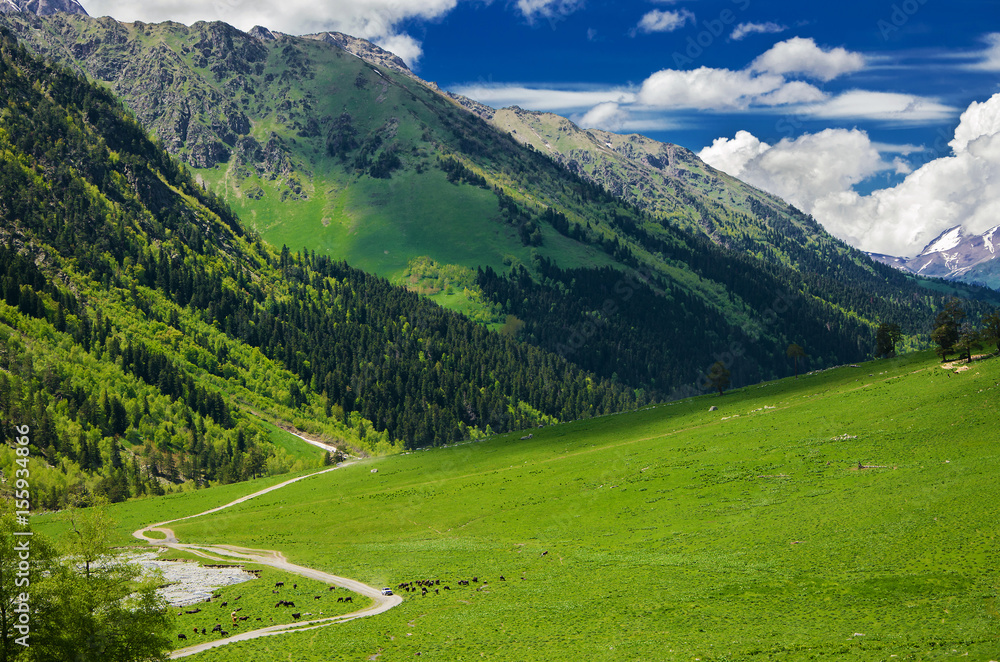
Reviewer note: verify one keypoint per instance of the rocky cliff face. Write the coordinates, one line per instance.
(194, 88)
(42, 7)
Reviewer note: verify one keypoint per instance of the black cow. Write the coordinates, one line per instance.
(296, 615)
(279, 584)
(182, 636)
(349, 599)
(340, 599)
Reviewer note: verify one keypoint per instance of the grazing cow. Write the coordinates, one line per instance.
(274, 592)
(195, 630)
(349, 598)
(545, 552)
(237, 598)
(182, 636)
(224, 604)
(193, 611)
(295, 585)
(279, 603)
(203, 630)
(447, 588)
(217, 628)
(340, 599)
(279, 584)
(224, 633)
(437, 592)
(289, 604)
(502, 578)
(297, 615)
(331, 588)
(475, 579)
(315, 597)
(238, 609)
(246, 618)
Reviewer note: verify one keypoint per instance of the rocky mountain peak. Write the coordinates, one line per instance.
(365, 50)
(955, 254)
(42, 7)
(262, 33)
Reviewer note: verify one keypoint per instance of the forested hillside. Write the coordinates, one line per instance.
(357, 159)
(145, 332)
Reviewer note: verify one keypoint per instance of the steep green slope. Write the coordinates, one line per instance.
(845, 515)
(318, 148)
(145, 330)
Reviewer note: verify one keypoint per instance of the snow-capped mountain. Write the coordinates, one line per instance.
(42, 7)
(955, 255)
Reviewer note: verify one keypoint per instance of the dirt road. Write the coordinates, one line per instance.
(229, 553)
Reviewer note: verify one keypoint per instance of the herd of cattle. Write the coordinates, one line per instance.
(424, 586)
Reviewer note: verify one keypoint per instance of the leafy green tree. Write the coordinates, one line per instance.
(991, 329)
(718, 376)
(795, 352)
(98, 607)
(41, 560)
(886, 337)
(947, 328)
(969, 340)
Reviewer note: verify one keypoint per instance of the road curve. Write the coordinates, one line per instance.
(275, 559)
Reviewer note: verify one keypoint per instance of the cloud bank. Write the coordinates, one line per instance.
(817, 172)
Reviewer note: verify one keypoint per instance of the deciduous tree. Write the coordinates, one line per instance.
(886, 337)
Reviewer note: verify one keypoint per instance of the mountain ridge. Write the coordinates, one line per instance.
(955, 254)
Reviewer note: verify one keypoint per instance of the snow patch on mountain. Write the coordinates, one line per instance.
(948, 240)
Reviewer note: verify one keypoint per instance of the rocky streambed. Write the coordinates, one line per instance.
(188, 582)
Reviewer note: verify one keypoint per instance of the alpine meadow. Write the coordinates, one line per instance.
(303, 357)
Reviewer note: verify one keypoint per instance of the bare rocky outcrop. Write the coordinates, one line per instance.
(42, 7)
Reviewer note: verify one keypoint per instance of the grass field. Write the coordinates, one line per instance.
(848, 514)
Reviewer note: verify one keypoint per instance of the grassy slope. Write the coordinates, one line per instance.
(674, 532)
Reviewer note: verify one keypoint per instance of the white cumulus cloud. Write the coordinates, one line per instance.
(802, 170)
(731, 155)
(403, 45)
(817, 172)
(802, 56)
(664, 21)
(608, 116)
(722, 89)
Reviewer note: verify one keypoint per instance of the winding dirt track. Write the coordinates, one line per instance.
(275, 559)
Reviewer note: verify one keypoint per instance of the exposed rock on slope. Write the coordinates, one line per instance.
(42, 7)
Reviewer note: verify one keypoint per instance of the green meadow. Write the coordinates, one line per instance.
(848, 514)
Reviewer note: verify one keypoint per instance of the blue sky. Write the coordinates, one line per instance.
(835, 106)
